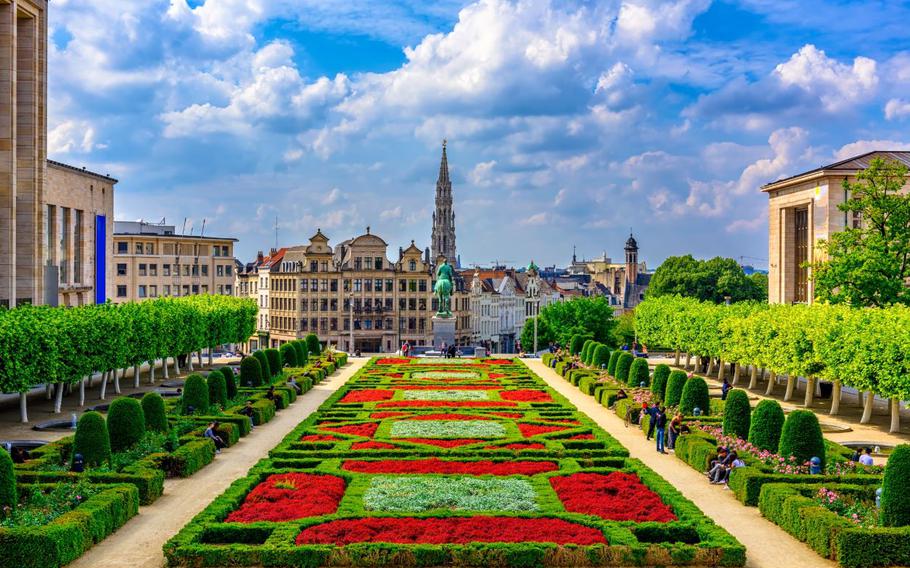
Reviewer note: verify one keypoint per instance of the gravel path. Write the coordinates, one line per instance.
(766, 544)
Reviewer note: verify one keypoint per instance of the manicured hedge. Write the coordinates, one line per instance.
(264, 365)
(288, 355)
(92, 440)
(611, 363)
(300, 349)
(601, 356)
(154, 412)
(766, 424)
(8, 495)
(737, 414)
(659, 381)
(695, 395)
(195, 397)
(217, 388)
(676, 382)
(312, 344)
(275, 363)
(639, 373)
(623, 365)
(251, 374)
(125, 423)
(896, 488)
(802, 437)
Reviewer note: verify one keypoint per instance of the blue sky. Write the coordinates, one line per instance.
(568, 122)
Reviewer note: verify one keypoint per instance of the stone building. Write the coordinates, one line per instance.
(151, 260)
(354, 296)
(803, 209)
(624, 284)
(252, 281)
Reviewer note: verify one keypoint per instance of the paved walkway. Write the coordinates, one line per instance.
(767, 545)
(138, 543)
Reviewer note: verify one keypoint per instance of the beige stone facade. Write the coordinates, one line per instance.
(77, 234)
(151, 261)
(23, 148)
(624, 284)
(354, 297)
(802, 210)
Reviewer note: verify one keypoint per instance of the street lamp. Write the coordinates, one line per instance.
(351, 323)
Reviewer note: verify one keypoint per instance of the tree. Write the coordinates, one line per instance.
(766, 425)
(251, 372)
(275, 363)
(695, 395)
(737, 414)
(8, 496)
(125, 424)
(586, 351)
(896, 488)
(639, 373)
(544, 334)
(709, 280)
(154, 412)
(91, 440)
(802, 437)
(301, 350)
(589, 316)
(624, 332)
(601, 356)
(230, 381)
(869, 265)
(611, 363)
(576, 343)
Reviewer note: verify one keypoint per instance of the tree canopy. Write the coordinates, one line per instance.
(708, 280)
(590, 316)
(869, 265)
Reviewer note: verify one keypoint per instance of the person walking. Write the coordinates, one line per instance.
(660, 423)
(652, 412)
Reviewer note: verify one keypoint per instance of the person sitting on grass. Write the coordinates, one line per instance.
(249, 412)
(211, 432)
(270, 395)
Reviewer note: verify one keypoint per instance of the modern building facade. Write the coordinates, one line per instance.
(803, 209)
(151, 260)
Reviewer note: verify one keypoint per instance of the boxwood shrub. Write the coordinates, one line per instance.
(274, 357)
(8, 496)
(217, 388)
(623, 365)
(611, 362)
(154, 412)
(312, 344)
(263, 365)
(659, 381)
(695, 395)
(766, 424)
(601, 356)
(896, 488)
(639, 373)
(251, 372)
(125, 423)
(92, 440)
(586, 351)
(802, 437)
(737, 412)
(195, 397)
(288, 354)
(300, 349)
(676, 382)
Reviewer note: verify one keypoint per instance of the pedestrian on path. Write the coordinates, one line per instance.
(652, 412)
(660, 423)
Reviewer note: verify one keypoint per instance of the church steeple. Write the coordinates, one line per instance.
(443, 237)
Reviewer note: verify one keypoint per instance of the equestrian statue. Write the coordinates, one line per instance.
(445, 283)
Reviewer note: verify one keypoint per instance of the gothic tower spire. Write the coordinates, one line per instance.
(443, 237)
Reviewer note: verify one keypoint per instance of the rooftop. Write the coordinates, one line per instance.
(847, 166)
(81, 170)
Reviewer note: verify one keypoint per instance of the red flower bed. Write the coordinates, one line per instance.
(496, 375)
(498, 362)
(508, 414)
(563, 421)
(615, 496)
(368, 395)
(290, 496)
(395, 375)
(393, 361)
(435, 465)
(442, 443)
(582, 437)
(319, 438)
(443, 403)
(365, 430)
(373, 446)
(387, 414)
(517, 447)
(526, 396)
(451, 530)
(446, 387)
(528, 430)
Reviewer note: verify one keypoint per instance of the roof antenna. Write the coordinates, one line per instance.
(202, 232)
(276, 232)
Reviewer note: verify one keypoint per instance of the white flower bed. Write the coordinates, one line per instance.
(452, 429)
(413, 493)
(446, 395)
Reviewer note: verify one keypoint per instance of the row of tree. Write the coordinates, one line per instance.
(862, 348)
(65, 346)
(560, 321)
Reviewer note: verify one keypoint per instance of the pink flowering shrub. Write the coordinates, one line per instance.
(861, 513)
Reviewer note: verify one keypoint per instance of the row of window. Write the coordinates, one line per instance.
(147, 248)
(64, 229)
(151, 290)
(357, 285)
(368, 304)
(332, 324)
(166, 269)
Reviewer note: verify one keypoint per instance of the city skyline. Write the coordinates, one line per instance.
(567, 122)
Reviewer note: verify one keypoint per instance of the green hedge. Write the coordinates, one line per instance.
(217, 388)
(601, 357)
(586, 351)
(802, 437)
(676, 382)
(695, 395)
(312, 344)
(8, 494)
(623, 365)
(67, 537)
(263, 365)
(251, 374)
(300, 350)
(659, 381)
(896, 488)
(154, 412)
(611, 362)
(275, 363)
(230, 381)
(737, 414)
(746, 482)
(639, 373)
(766, 425)
(195, 395)
(92, 439)
(125, 423)
(288, 355)
(189, 458)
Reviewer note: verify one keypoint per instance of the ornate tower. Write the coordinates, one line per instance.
(631, 260)
(443, 237)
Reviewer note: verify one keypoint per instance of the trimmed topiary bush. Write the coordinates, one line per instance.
(312, 344)
(301, 350)
(695, 395)
(8, 496)
(737, 414)
(587, 350)
(639, 373)
(601, 356)
(896, 488)
(676, 382)
(802, 437)
(125, 423)
(154, 412)
(275, 363)
(611, 363)
(288, 355)
(251, 372)
(92, 440)
(659, 381)
(576, 343)
(767, 421)
(623, 365)
(217, 388)
(230, 381)
(195, 395)
(266, 370)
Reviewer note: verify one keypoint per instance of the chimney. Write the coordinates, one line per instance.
(259, 257)
(273, 251)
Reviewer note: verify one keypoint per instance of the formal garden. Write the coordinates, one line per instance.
(854, 514)
(425, 462)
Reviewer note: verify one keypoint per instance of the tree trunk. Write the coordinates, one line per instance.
(737, 370)
(49, 391)
(82, 392)
(772, 378)
(164, 366)
(199, 354)
(895, 415)
(835, 399)
(211, 357)
(867, 408)
(810, 391)
(23, 407)
(117, 380)
(753, 377)
(136, 376)
(152, 372)
(176, 368)
(58, 398)
(791, 386)
(104, 376)
(688, 360)
(721, 371)
(189, 362)
(710, 366)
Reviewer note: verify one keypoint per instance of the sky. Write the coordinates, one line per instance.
(568, 123)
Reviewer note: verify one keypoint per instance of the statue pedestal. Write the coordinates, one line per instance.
(443, 331)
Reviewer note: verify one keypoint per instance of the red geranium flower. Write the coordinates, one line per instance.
(508, 414)
(365, 430)
(451, 530)
(616, 496)
(528, 430)
(290, 496)
(372, 446)
(526, 396)
(319, 438)
(582, 437)
(442, 403)
(496, 375)
(498, 362)
(393, 361)
(387, 414)
(368, 395)
(438, 466)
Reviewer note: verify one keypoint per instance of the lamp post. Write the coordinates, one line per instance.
(533, 291)
(351, 322)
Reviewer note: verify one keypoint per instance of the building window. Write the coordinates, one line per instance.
(389, 287)
(219, 270)
(167, 289)
(377, 286)
(121, 291)
(228, 270)
(324, 266)
(801, 292)
(358, 263)
(142, 293)
(314, 266)
(78, 246)
(216, 251)
(228, 289)
(368, 285)
(314, 285)
(149, 248)
(377, 262)
(412, 266)
(412, 285)
(63, 257)
(195, 288)
(422, 285)
(142, 270)
(153, 270)
(224, 251)
(333, 285)
(357, 284)
(402, 285)
(138, 248)
(166, 269)
(323, 285)
(347, 285)
(186, 269)
(153, 291)
(123, 247)
(195, 270)
(205, 288)
(121, 269)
